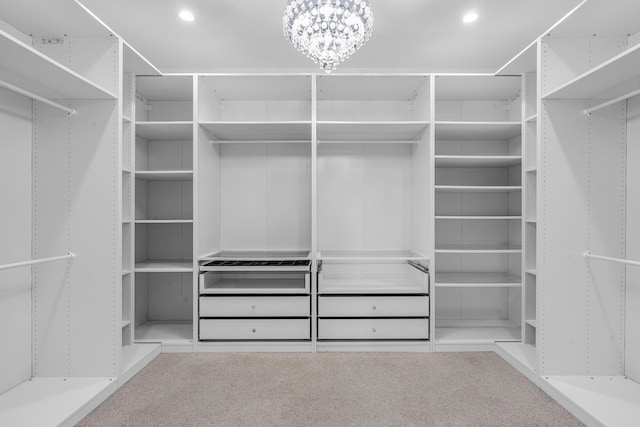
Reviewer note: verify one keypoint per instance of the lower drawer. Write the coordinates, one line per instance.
(375, 306)
(255, 329)
(254, 306)
(373, 328)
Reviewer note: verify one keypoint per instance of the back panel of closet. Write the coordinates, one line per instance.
(15, 229)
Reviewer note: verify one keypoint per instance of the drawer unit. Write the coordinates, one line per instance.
(255, 306)
(255, 329)
(373, 329)
(373, 306)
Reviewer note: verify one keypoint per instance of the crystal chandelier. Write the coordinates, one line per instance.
(327, 31)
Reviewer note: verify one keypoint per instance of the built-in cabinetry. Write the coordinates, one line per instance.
(61, 107)
(373, 211)
(581, 249)
(163, 217)
(477, 211)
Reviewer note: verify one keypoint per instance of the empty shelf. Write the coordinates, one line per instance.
(477, 161)
(258, 131)
(159, 266)
(165, 131)
(478, 248)
(370, 131)
(477, 279)
(477, 188)
(450, 130)
(169, 331)
(165, 175)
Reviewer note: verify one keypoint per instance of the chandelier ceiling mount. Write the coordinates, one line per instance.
(327, 31)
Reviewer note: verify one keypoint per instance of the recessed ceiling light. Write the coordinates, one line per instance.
(186, 15)
(470, 17)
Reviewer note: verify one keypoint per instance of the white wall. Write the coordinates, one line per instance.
(632, 321)
(15, 243)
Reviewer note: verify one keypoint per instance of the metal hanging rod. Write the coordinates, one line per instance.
(606, 258)
(613, 101)
(32, 95)
(69, 255)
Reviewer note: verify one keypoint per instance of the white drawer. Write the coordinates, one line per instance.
(373, 306)
(373, 328)
(254, 306)
(254, 329)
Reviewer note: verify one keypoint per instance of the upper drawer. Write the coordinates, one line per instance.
(373, 306)
(255, 306)
(368, 278)
(259, 282)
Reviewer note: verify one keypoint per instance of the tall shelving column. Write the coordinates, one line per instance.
(478, 211)
(164, 211)
(134, 355)
(523, 355)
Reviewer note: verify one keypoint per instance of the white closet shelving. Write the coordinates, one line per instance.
(373, 148)
(255, 203)
(71, 317)
(478, 214)
(164, 218)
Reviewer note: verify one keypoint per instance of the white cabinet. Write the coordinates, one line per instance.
(477, 212)
(163, 213)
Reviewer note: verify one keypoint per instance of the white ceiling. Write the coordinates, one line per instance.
(246, 35)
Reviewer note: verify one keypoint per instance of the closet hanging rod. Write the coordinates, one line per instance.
(606, 258)
(32, 95)
(69, 255)
(612, 101)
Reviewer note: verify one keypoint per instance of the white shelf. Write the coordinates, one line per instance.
(477, 188)
(328, 131)
(533, 170)
(370, 256)
(480, 217)
(126, 119)
(31, 70)
(135, 63)
(53, 401)
(477, 161)
(124, 324)
(449, 130)
(475, 331)
(125, 272)
(523, 62)
(461, 248)
(532, 322)
(597, 400)
(258, 131)
(532, 272)
(165, 332)
(476, 279)
(165, 131)
(164, 266)
(532, 119)
(604, 81)
(186, 175)
(531, 221)
(164, 221)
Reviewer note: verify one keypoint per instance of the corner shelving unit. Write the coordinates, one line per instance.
(164, 206)
(478, 214)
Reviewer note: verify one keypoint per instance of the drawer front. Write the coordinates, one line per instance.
(254, 329)
(373, 329)
(373, 306)
(249, 306)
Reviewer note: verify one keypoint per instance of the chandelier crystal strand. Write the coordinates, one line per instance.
(327, 31)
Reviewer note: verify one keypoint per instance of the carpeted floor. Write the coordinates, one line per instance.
(329, 389)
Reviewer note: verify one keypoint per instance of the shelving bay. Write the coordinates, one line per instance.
(478, 214)
(163, 217)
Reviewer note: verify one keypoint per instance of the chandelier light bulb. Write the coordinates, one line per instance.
(327, 31)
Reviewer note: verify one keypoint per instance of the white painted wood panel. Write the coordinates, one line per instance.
(632, 308)
(373, 306)
(15, 284)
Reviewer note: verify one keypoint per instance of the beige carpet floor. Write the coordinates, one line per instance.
(329, 389)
